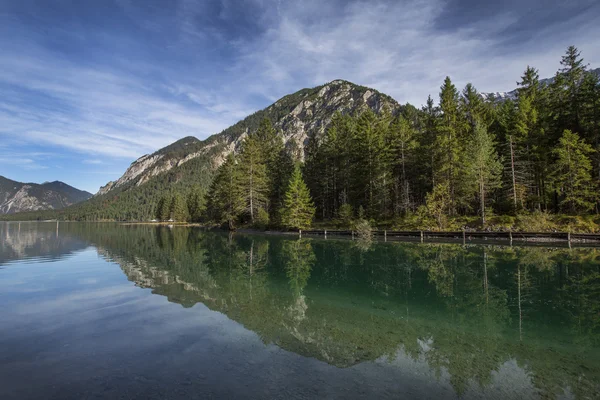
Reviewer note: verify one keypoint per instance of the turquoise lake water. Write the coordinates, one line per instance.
(94, 311)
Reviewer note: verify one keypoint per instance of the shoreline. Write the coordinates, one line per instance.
(464, 237)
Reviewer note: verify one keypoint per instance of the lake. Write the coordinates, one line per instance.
(115, 311)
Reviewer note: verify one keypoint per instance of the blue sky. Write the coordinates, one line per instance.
(86, 87)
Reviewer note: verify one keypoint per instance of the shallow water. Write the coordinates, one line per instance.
(113, 311)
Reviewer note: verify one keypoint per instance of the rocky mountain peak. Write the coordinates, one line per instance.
(296, 117)
(17, 196)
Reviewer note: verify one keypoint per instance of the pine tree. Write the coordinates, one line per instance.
(428, 153)
(298, 210)
(225, 199)
(178, 209)
(528, 141)
(572, 73)
(590, 115)
(474, 107)
(372, 153)
(278, 163)
(448, 148)
(158, 210)
(195, 204)
(436, 203)
(572, 173)
(253, 177)
(164, 212)
(403, 140)
(485, 163)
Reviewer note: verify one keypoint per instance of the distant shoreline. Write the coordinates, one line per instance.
(469, 237)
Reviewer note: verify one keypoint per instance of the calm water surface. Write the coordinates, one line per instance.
(93, 311)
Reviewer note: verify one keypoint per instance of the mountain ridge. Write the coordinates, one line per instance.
(296, 116)
(27, 196)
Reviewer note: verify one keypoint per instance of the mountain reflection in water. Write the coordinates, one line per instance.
(469, 321)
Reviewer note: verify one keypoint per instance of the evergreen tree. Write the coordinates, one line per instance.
(254, 180)
(158, 210)
(403, 139)
(372, 153)
(448, 148)
(436, 203)
(572, 173)
(195, 204)
(571, 75)
(528, 141)
(590, 115)
(178, 209)
(164, 211)
(427, 155)
(298, 210)
(278, 163)
(225, 198)
(485, 163)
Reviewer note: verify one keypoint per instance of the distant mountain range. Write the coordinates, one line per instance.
(17, 196)
(512, 95)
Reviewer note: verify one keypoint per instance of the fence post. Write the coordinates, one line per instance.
(464, 236)
(325, 233)
(385, 235)
(300, 233)
(421, 236)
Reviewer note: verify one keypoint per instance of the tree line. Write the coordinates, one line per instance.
(464, 155)
(261, 186)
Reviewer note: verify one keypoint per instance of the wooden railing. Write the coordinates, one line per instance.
(465, 235)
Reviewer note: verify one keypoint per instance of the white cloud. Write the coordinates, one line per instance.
(127, 106)
(396, 48)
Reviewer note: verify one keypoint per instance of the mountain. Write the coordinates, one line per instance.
(512, 95)
(18, 197)
(192, 162)
(296, 116)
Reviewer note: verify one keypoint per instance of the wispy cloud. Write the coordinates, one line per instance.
(93, 161)
(112, 81)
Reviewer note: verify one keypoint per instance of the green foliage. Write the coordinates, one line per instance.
(196, 204)
(538, 221)
(225, 200)
(179, 209)
(346, 215)
(484, 164)
(253, 178)
(436, 166)
(572, 173)
(298, 210)
(363, 229)
(436, 204)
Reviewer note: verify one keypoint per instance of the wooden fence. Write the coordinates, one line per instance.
(464, 235)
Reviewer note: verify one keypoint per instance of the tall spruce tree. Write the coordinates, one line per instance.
(195, 204)
(298, 210)
(571, 75)
(486, 167)
(590, 115)
(178, 209)
(278, 163)
(254, 181)
(572, 173)
(225, 198)
(404, 142)
(448, 146)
